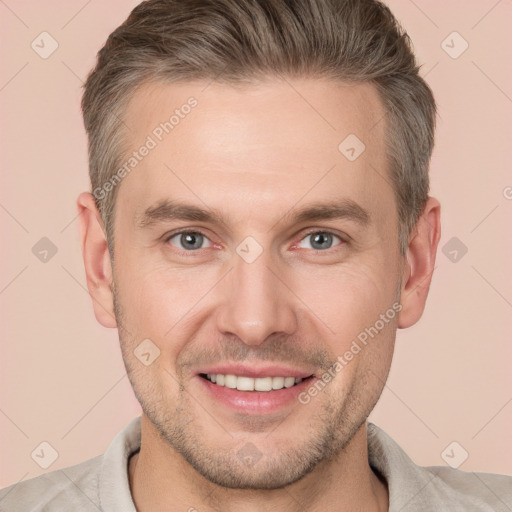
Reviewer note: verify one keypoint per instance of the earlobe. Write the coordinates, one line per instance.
(98, 267)
(419, 265)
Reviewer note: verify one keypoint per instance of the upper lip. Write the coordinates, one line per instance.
(254, 371)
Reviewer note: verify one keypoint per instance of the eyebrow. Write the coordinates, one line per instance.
(166, 210)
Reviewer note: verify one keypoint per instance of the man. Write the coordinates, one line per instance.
(259, 227)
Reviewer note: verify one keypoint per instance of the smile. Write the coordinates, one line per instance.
(243, 383)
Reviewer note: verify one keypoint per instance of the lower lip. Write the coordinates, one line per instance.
(256, 402)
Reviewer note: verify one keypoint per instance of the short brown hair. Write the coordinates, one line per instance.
(243, 41)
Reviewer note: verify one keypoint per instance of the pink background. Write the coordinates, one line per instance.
(62, 376)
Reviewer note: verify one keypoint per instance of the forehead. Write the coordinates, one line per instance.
(255, 146)
(271, 112)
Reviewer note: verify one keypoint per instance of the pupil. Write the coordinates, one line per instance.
(322, 237)
(190, 237)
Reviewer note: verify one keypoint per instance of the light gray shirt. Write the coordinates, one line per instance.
(101, 483)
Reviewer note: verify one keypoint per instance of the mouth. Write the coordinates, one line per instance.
(260, 395)
(245, 383)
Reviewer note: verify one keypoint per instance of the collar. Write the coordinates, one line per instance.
(411, 487)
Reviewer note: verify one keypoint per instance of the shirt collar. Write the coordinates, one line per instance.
(414, 488)
(114, 485)
(410, 487)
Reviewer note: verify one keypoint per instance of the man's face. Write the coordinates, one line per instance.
(257, 292)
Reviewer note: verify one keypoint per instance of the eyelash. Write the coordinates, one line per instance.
(193, 253)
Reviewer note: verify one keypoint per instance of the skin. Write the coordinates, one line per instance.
(256, 153)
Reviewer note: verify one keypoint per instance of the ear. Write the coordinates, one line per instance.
(419, 264)
(97, 262)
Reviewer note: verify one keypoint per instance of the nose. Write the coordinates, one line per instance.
(256, 303)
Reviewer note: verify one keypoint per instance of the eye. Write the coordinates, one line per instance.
(319, 240)
(188, 240)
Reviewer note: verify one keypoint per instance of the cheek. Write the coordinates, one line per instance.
(356, 305)
(160, 301)
(347, 298)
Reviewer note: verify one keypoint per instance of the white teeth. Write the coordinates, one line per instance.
(263, 384)
(249, 384)
(289, 382)
(230, 381)
(245, 384)
(277, 382)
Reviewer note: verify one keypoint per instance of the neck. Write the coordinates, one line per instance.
(161, 479)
